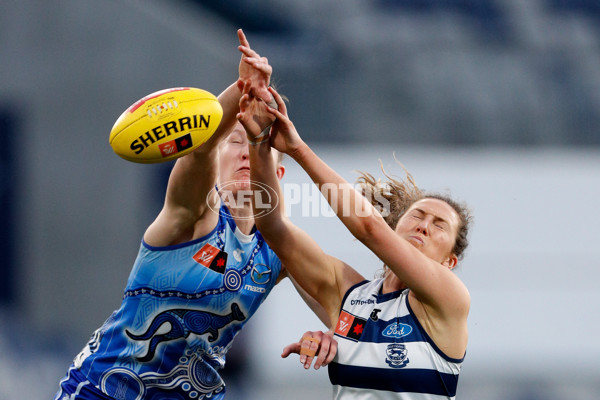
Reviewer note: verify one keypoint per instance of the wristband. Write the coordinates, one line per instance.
(254, 143)
(264, 134)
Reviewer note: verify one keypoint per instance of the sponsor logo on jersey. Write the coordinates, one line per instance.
(361, 302)
(374, 313)
(397, 330)
(237, 254)
(212, 258)
(396, 355)
(255, 289)
(350, 326)
(261, 274)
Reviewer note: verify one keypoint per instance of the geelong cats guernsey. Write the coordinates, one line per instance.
(181, 309)
(384, 352)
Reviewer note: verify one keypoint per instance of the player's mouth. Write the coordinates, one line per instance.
(416, 240)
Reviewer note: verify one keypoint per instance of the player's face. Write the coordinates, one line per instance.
(431, 225)
(234, 161)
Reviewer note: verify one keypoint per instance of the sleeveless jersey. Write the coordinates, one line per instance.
(384, 352)
(181, 309)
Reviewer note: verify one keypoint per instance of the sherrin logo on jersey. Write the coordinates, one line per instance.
(350, 326)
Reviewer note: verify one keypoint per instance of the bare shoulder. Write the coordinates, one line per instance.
(346, 276)
(447, 325)
(175, 226)
(331, 295)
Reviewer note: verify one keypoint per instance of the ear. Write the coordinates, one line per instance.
(451, 262)
(280, 171)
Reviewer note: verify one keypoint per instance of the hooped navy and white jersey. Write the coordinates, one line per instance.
(384, 352)
(182, 307)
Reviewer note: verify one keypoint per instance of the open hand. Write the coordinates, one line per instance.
(253, 114)
(253, 68)
(284, 136)
(314, 343)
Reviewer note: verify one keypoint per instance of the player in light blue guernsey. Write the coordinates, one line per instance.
(201, 272)
(182, 307)
(403, 336)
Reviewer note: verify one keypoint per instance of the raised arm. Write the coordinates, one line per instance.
(430, 281)
(323, 277)
(185, 214)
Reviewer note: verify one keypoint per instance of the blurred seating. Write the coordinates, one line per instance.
(486, 15)
(590, 8)
(251, 16)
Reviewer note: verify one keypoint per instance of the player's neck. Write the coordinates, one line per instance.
(240, 208)
(243, 218)
(392, 283)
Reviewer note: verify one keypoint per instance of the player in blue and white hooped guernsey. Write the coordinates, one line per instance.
(201, 272)
(404, 335)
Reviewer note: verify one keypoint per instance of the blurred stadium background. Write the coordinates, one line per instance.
(496, 101)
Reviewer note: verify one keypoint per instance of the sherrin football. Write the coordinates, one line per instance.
(166, 125)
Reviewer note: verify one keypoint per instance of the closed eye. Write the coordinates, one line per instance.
(417, 215)
(441, 224)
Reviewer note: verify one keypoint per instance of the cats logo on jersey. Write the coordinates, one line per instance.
(397, 355)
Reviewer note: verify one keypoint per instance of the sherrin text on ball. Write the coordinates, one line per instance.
(166, 125)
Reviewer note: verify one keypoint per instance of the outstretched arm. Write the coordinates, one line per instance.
(323, 277)
(432, 283)
(189, 191)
